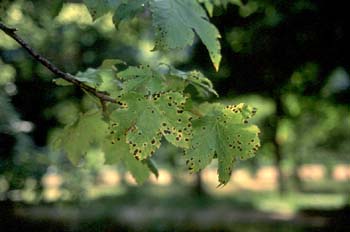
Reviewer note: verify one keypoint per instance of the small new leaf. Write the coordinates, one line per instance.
(90, 76)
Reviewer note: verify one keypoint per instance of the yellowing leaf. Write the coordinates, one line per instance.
(76, 139)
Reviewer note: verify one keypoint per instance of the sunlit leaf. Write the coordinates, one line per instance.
(90, 76)
(145, 120)
(142, 79)
(61, 82)
(226, 133)
(202, 84)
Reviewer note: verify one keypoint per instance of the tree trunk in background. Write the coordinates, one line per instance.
(198, 188)
(298, 184)
(277, 146)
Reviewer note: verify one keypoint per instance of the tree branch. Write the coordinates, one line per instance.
(103, 96)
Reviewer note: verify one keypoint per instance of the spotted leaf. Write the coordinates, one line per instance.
(118, 151)
(144, 120)
(226, 133)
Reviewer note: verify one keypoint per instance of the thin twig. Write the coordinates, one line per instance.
(103, 96)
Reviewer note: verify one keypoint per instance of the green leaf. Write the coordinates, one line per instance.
(61, 82)
(98, 8)
(138, 170)
(152, 166)
(117, 150)
(142, 79)
(175, 22)
(202, 84)
(145, 120)
(104, 77)
(77, 139)
(111, 64)
(223, 132)
(90, 76)
(128, 10)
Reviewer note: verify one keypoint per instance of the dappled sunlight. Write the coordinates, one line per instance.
(312, 172)
(109, 178)
(341, 172)
(164, 178)
(74, 13)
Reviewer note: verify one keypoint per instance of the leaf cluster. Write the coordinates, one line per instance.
(141, 106)
(152, 105)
